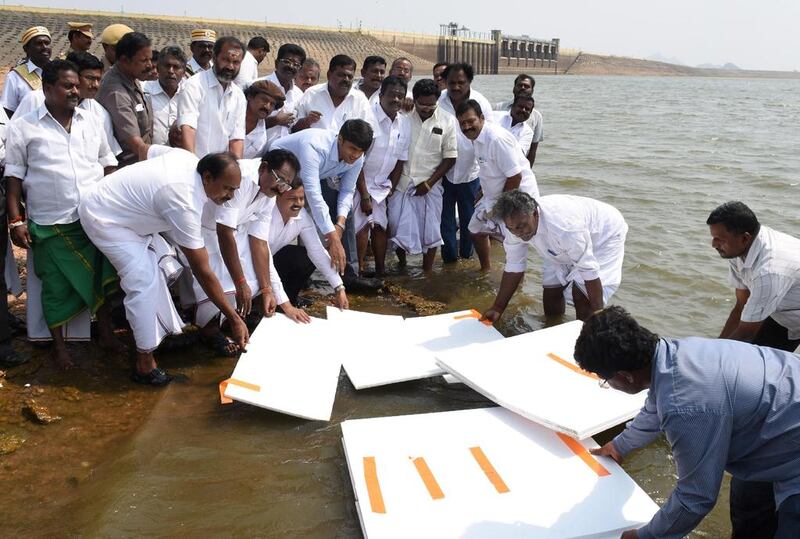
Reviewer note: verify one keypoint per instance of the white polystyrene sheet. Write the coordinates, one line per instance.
(291, 367)
(521, 374)
(552, 491)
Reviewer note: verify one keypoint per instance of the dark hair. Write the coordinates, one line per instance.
(372, 60)
(52, 70)
(295, 50)
(469, 104)
(174, 51)
(358, 132)
(455, 68)
(425, 87)
(612, 341)
(258, 42)
(310, 62)
(736, 217)
(84, 61)
(393, 81)
(523, 98)
(341, 60)
(227, 40)
(131, 43)
(439, 64)
(276, 158)
(524, 76)
(216, 163)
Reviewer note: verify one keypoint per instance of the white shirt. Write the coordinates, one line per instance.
(431, 141)
(771, 272)
(282, 234)
(570, 227)
(354, 106)
(56, 167)
(466, 167)
(163, 194)
(248, 71)
(389, 145)
(255, 142)
(215, 113)
(291, 100)
(534, 121)
(522, 131)
(15, 87)
(249, 206)
(196, 68)
(499, 157)
(165, 109)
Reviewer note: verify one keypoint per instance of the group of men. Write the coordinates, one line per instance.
(187, 185)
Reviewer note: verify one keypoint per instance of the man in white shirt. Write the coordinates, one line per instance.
(515, 121)
(27, 77)
(202, 47)
(211, 109)
(523, 86)
(502, 168)
(123, 213)
(582, 244)
(171, 67)
(373, 71)
(57, 153)
(329, 105)
(383, 164)
(765, 271)
(461, 183)
(415, 208)
(257, 49)
(308, 75)
(288, 63)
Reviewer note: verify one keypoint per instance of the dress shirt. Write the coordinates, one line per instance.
(163, 194)
(771, 272)
(390, 145)
(165, 109)
(534, 121)
(570, 228)
(466, 168)
(255, 142)
(431, 141)
(248, 71)
(723, 405)
(216, 114)
(521, 131)
(499, 157)
(193, 68)
(318, 153)
(282, 234)
(15, 87)
(291, 100)
(131, 112)
(354, 106)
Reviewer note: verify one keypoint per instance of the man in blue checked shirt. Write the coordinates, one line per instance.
(723, 405)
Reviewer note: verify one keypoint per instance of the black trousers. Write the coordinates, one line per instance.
(752, 503)
(294, 268)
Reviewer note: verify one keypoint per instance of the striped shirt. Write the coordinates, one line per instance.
(771, 272)
(724, 406)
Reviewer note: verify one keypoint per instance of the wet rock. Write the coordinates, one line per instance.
(72, 394)
(9, 443)
(39, 414)
(422, 306)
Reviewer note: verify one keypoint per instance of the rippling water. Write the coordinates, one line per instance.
(665, 151)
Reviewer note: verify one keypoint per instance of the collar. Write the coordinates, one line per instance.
(334, 153)
(273, 77)
(33, 68)
(755, 250)
(130, 84)
(381, 116)
(349, 93)
(42, 111)
(484, 135)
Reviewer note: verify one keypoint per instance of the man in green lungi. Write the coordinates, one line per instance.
(53, 154)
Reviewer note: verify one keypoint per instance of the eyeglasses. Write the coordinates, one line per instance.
(280, 183)
(290, 63)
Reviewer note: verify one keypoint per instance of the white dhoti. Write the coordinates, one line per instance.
(377, 217)
(77, 329)
(148, 303)
(415, 222)
(13, 282)
(609, 255)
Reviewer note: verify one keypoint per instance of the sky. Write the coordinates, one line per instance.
(750, 34)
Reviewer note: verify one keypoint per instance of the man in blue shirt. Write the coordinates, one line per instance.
(329, 167)
(723, 405)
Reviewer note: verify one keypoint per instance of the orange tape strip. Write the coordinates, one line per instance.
(584, 454)
(373, 487)
(572, 366)
(233, 381)
(491, 474)
(473, 314)
(427, 477)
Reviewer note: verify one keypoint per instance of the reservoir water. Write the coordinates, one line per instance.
(665, 151)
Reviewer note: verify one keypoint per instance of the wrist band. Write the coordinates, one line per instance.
(241, 280)
(16, 224)
(17, 219)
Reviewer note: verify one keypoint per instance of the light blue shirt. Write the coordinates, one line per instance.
(723, 405)
(318, 153)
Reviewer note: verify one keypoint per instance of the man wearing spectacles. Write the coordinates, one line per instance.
(288, 63)
(723, 405)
